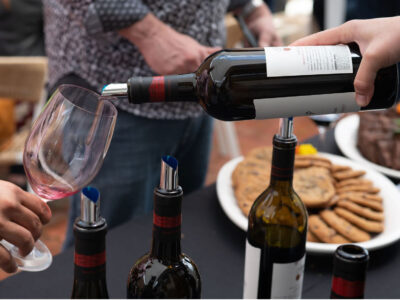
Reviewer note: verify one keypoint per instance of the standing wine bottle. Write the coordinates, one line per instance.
(349, 271)
(165, 272)
(273, 82)
(90, 256)
(276, 235)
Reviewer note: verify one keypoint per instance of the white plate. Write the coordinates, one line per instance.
(389, 193)
(346, 138)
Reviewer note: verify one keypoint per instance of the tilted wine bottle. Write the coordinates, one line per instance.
(273, 82)
(277, 228)
(90, 249)
(349, 271)
(165, 272)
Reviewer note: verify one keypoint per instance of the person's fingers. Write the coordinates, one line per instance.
(211, 50)
(18, 236)
(7, 262)
(204, 53)
(339, 35)
(277, 41)
(365, 78)
(265, 39)
(35, 204)
(26, 218)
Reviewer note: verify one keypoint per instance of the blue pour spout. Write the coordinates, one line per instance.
(170, 161)
(91, 193)
(90, 207)
(169, 173)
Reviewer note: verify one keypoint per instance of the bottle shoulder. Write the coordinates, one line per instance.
(151, 277)
(275, 206)
(148, 267)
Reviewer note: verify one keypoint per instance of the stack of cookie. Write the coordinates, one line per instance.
(343, 206)
(251, 177)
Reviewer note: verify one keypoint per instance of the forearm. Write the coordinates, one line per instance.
(113, 15)
(144, 31)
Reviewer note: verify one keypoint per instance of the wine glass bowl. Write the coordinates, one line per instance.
(68, 142)
(63, 153)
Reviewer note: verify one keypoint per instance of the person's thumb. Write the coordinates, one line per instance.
(211, 50)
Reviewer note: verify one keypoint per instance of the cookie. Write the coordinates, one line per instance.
(314, 186)
(348, 174)
(364, 212)
(332, 201)
(312, 238)
(302, 163)
(356, 181)
(321, 164)
(246, 195)
(370, 226)
(323, 232)
(343, 227)
(261, 153)
(358, 188)
(360, 199)
(250, 170)
(245, 207)
(313, 157)
(372, 197)
(338, 168)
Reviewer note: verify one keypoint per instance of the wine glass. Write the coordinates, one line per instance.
(64, 151)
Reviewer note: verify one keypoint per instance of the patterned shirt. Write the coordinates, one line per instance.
(82, 38)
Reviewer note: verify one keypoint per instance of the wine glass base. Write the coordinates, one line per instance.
(38, 259)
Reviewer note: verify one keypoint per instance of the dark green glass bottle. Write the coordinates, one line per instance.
(276, 237)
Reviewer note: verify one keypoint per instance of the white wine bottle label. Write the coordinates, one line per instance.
(309, 105)
(251, 271)
(287, 280)
(283, 280)
(308, 60)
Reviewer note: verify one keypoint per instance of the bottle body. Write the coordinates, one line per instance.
(165, 272)
(90, 262)
(246, 84)
(152, 278)
(276, 237)
(349, 272)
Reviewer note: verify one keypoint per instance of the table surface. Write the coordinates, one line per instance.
(217, 247)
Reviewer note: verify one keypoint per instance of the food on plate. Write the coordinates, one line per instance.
(343, 206)
(343, 227)
(371, 226)
(361, 210)
(348, 174)
(323, 232)
(314, 186)
(379, 137)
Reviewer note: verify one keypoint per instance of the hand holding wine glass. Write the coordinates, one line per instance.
(63, 153)
(22, 216)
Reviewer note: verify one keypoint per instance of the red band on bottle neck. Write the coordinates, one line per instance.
(346, 288)
(167, 222)
(282, 173)
(157, 89)
(90, 261)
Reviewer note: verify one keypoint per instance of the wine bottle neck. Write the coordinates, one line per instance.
(90, 253)
(167, 218)
(177, 88)
(283, 162)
